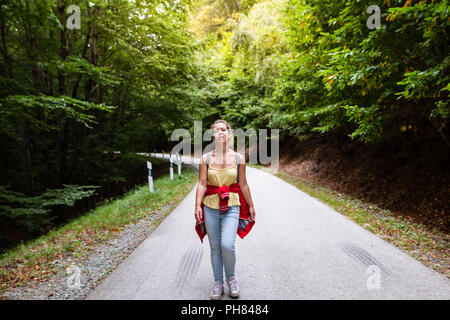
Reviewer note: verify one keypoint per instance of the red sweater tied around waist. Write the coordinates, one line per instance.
(244, 225)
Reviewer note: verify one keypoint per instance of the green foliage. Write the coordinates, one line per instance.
(123, 81)
(342, 75)
(315, 67)
(15, 105)
(244, 53)
(33, 213)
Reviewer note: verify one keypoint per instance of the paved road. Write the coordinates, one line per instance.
(299, 248)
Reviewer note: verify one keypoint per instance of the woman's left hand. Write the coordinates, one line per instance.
(252, 214)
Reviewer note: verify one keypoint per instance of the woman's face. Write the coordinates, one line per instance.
(221, 133)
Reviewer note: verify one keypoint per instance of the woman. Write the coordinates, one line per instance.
(224, 206)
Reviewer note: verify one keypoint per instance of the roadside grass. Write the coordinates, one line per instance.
(430, 246)
(34, 261)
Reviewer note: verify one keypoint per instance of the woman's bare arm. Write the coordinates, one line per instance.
(201, 187)
(245, 189)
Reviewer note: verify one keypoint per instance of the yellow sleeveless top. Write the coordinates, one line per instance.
(220, 177)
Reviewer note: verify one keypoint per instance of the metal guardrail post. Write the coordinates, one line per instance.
(179, 162)
(150, 178)
(171, 167)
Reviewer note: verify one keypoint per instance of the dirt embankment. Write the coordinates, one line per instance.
(410, 179)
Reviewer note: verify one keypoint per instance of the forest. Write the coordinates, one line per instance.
(82, 79)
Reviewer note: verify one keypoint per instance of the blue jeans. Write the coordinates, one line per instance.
(222, 229)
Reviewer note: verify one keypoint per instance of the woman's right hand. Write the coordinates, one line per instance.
(198, 213)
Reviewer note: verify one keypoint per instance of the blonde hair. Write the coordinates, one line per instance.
(221, 121)
(228, 128)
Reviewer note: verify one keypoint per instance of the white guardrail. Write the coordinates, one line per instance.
(177, 158)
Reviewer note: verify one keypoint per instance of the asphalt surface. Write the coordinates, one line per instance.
(299, 248)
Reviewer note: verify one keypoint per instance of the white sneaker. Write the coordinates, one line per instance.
(233, 287)
(217, 291)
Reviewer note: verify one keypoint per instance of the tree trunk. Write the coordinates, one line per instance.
(63, 52)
